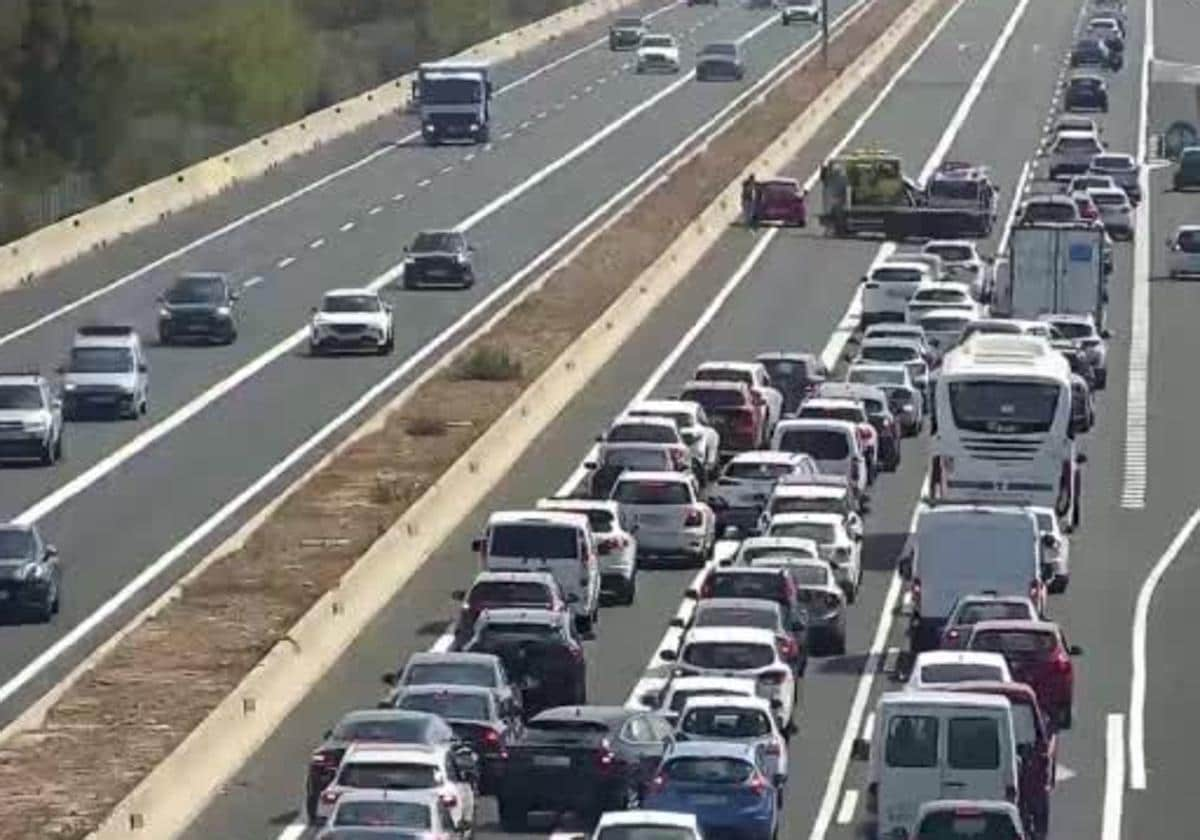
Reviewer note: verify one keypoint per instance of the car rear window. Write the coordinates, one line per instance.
(410, 731)
(450, 673)
(726, 723)
(1022, 644)
(637, 459)
(952, 672)
(775, 190)
(1109, 198)
(749, 555)
(757, 471)
(495, 592)
(1050, 211)
(727, 771)
(821, 444)
(715, 399)
(973, 743)
(642, 433)
(821, 532)
(955, 188)
(657, 41)
(734, 656)
(867, 376)
(736, 617)
(652, 493)
(387, 776)
(724, 375)
(1073, 329)
(911, 741)
(973, 613)
(437, 241)
(745, 585)
(896, 275)
(967, 824)
(1189, 242)
(533, 540)
(805, 574)
(410, 815)
(448, 705)
(1115, 163)
(889, 353)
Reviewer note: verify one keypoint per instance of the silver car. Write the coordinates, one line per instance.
(31, 420)
(107, 372)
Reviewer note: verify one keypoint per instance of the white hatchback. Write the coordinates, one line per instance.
(837, 544)
(937, 668)
(666, 513)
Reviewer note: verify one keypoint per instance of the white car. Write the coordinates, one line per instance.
(945, 295)
(887, 286)
(746, 720)
(738, 495)
(836, 543)
(657, 430)
(421, 812)
(963, 264)
(1056, 551)
(835, 446)
(616, 548)
(621, 824)
(740, 652)
(812, 498)
(694, 429)
(1081, 331)
(1116, 211)
(852, 411)
(1071, 153)
(676, 694)
(658, 53)
(934, 668)
(905, 351)
(1183, 257)
(793, 11)
(904, 398)
(368, 766)
(945, 327)
(664, 509)
(754, 376)
(351, 319)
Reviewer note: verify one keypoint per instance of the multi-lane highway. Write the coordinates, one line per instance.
(134, 503)
(984, 88)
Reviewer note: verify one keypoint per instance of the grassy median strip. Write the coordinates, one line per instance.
(122, 718)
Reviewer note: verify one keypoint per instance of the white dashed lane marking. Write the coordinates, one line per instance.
(285, 262)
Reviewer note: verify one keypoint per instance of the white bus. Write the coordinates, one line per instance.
(1002, 426)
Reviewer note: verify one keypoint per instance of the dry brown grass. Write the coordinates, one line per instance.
(140, 701)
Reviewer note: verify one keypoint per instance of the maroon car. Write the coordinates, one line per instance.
(1037, 654)
(732, 411)
(1037, 748)
(781, 200)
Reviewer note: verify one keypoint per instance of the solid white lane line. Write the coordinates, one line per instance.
(1133, 491)
(1114, 777)
(524, 125)
(445, 170)
(294, 831)
(283, 201)
(346, 228)
(285, 262)
(252, 282)
(1137, 689)
(1013, 206)
(849, 803)
(163, 563)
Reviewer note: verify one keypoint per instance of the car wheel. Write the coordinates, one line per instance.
(838, 646)
(58, 447)
(583, 623)
(514, 814)
(1066, 717)
(629, 591)
(164, 338)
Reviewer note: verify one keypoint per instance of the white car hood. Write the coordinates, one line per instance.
(660, 52)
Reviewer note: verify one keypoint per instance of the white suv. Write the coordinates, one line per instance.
(351, 319)
(31, 422)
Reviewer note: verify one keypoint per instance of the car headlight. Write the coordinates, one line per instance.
(70, 386)
(430, 127)
(164, 313)
(224, 311)
(36, 571)
(474, 126)
(460, 258)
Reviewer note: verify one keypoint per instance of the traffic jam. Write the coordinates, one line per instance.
(758, 473)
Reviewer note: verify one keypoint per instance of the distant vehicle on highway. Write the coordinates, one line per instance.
(1086, 93)
(1123, 169)
(720, 60)
(658, 53)
(30, 574)
(781, 201)
(351, 319)
(31, 419)
(626, 33)
(497, 590)
(385, 812)
(198, 306)
(800, 11)
(454, 101)
(1039, 656)
(1183, 259)
(1187, 173)
(439, 258)
(107, 373)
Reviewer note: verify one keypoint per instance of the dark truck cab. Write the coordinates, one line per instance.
(454, 100)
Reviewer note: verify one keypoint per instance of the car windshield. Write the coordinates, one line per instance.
(911, 741)
(1113, 163)
(436, 241)
(1088, 85)
(1074, 329)
(658, 41)
(15, 543)
(726, 723)
(411, 815)
(943, 325)
(713, 771)
(954, 672)
(1004, 407)
(889, 353)
(940, 295)
(736, 617)
(1017, 644)
(1087, 46)
(715, 399)
(449, 705)
(967, 824)
(652, 493)
(642, 433)
(820, 532)
(387, 776)
(451, 90)
(407, 730)
(495, 631)
(1189, 243)
(884, 274)
(821, 444)
(645, 832)
(748, 554)
(654, 460)
(719, 49)
(745, 585)
(20, 397)
(1109, 198)
(757, 471)
(451, 673)
(101, 360)
(193, 290)
(732, 656)
(879, 376)
(991, 611)
(350, 303)
(533, 540)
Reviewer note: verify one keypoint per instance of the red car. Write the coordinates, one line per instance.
(781, 200)
(1037, 748)
(1037, 654)
(732, 411)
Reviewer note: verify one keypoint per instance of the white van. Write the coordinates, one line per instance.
(833, 444)
(557, 542)
(968, 549)
(931, 745)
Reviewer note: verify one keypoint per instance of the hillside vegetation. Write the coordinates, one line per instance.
(98, 96)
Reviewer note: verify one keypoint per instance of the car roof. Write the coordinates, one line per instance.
(811, 491)
(900, 262)
(106, 335)
(1113, 191)
(939, 697)
(489, 576)
(1068, 317)
(660, 476)
(782, 544)
(1010, 690)
(716, 384)
(665, 819)
(386, 753)
(580, 505)
(745, 570)
(713, 749)
(995, 806)
(708, 635)
(1016, 624)
(831, 402)
(949, 243)
(946, 312)
(959, 657)
(786, 355)
(857, 391)
(351, 293)
(765, 456)
(690, 406)
(451, 656)
(652, 420)
(820, 517)
(893, 341)
(536, 517)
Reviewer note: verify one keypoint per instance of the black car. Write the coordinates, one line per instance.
(30, 576)
(626, 33)
(1086, 93)
(720, 60)
(1093, 52)
(587, 759)
(795, 375)
(383, 726)
(540, 651)
(478, 721)
(199, 306)
(1077, 359)
(439, 258)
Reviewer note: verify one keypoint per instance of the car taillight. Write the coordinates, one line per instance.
(757, 784)
(744, 421)
(606, 759)
(787, 648)
(448, 799)
(611, 544)
(491, 737)
(330, 796)
(916, 594)
(1061, 662)
(658, 783)
(694, 518)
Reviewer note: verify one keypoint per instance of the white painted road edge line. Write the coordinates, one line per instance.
(283, 201)
(1133, 490)
(1137, 689)
(849, 803)
(164, 562)
(1114, 777)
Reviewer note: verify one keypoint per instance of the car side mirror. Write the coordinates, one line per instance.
(861, 750)
(143, 368)
(1081, 458)
(459, 594)
(51, 551)
(691, 593)
(477, 544)
(1105, 334)
(390, 679)
(668, 655)
(1075, 650)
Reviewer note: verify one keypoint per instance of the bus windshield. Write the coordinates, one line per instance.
(1004, 408)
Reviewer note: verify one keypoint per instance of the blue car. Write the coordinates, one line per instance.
(723, 784)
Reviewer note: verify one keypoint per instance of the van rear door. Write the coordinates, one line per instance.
(979, 760)
(911, 773)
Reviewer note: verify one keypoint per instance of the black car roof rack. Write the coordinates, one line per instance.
(105, 329)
